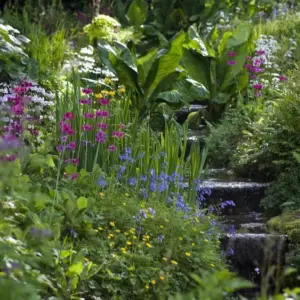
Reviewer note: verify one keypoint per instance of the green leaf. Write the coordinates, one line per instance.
(75, 269)
(170, 96)
(166, 64)
(137, 12)
(50, 162)
(70, 169)
(144, 65)
(126, 56)
(240, 35)
(82, 203)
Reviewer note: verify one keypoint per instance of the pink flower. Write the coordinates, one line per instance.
(34, 132)
(253, 76)
(74, 176)
(283, 78)
(18, 109)
(75, 161)
(89, 115)
(72, 145)
(85, 101)
(118, 134)
(248, 66)
(111, 148)
(121, 126)
(68, 116)
(100, 137)
(87, 91)
(102, 113)
(231, 62)
(87, 127)
(256, 69)
(102, 125)
(231, 54)
(260, 52)
(66, 128)
(103, 101)
(249, 58)
(257, 86)
(257, 62)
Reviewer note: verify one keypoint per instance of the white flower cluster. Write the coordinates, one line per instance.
(40, 103)
(290, 52)
(85, 62)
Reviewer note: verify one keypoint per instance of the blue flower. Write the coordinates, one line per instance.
(163, 154)
(161, 238)
(101, 182)
(144, 193)
(141, 155)
(143, 178)
(132, 181)
(163, 186)
(128, 150)
(152, 186)
(151, 211)
(227, 203)
(230, 252)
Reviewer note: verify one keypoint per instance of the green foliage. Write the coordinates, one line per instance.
(284, 193)
(13, 58)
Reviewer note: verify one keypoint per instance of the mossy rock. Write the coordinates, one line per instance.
(288, 223)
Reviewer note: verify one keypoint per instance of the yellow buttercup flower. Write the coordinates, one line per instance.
(113, 224)
(121, 90)
(104, 92)
(149, 245)
(134, 237)
(86, 259)
(110, 236)
(188, 254)
(118, 230)
(129, 243)
(174, 262)
(147, 287)
(164, 259)
(100, 228)
(99, 96)
(112, 93)
(153, 281)
(162, 278)
(101, 194)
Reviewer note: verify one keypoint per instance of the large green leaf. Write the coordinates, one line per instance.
(197, 67)
(240, 35)
(137, 12)
(144, 65)
(166, 63)
(126, 56)
(173, 97)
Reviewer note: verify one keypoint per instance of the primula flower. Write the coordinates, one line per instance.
(102, 125)
(231, 54)
(75, 161)
(282, 78)
(249, 58)
(111, 148)
(87, 91)
(74, 176)
(231, 62)
(257, 62)
(88, 115)
(118, 134)
(103, 101)
(102, 113)
(87, 127)
(60, 148)
(85, 101)
(257, 86)
(72, 145)
(260, 52)
(100, 137)
(68, 116)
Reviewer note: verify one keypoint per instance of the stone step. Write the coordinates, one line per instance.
(182, 114)
(245, 195)
(248, 253)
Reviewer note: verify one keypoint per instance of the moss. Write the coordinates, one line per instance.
(288, 223)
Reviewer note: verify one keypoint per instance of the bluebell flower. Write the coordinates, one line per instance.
(144, 193)
(143, 178)
(102, 182)
(163, 186)
(152, 186)
(161, 238)
(227, 203)
(163, 154)
(132, 181)
(128, 150)
(230, 252)
(141, 155)
(121, 171)
(151, 211)
(164, 164)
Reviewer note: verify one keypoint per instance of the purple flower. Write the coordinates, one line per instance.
(161, 238)
(231, 62)
(60, 148)
(144, 193)
(227, 203)
(64, 138)
(231, 54)
(132, 181)
(102, 182)
(143, 178)
(151, 211)
(152, 186)
(230, 252)
(72, 145)
(87, 127)
(101, 137)
(85, 101)
(111, 148)
(87, 91)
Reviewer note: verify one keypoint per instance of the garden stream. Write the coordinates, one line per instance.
(250, 248)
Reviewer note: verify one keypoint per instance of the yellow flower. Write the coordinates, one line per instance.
(149, 245)
(153, 281)
(180, 238)
(147, 287)
(100, 228)
(111, 244)
(104, 92)
(123, 250)
(101, 194)
(118, 230)
(96, 230)
(110, 236)
(174, 262)
(134, 237)
(86, 259)
(112, 93)
(107, 80)
(129, 243)
(113, 224)
(188, 254)
(121, 90)
(98, 96)
(164, 259)
(162, 278)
